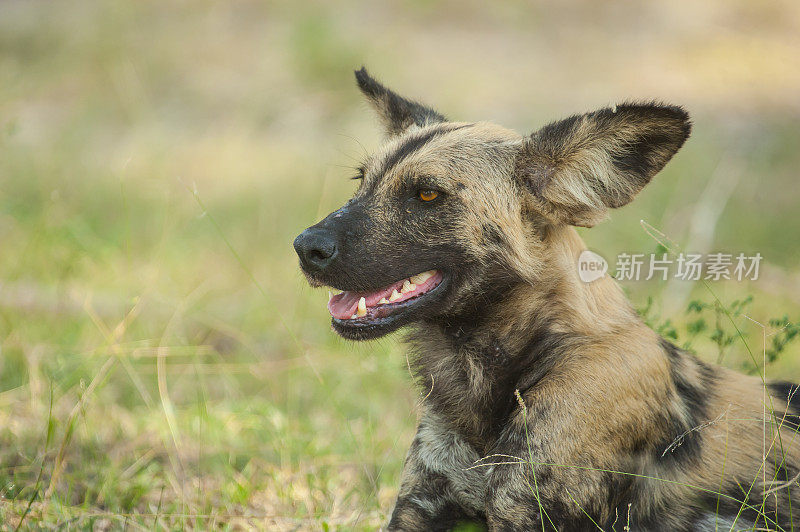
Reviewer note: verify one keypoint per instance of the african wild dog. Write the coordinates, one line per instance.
(464, 230)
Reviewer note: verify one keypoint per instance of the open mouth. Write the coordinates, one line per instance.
(381, 303)
(362, 314)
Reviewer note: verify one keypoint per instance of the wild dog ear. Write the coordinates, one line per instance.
(396, 112)
(579, 167)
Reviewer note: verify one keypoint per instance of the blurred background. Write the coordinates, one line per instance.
(162, 361)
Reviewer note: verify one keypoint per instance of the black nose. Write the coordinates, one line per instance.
(316, 249)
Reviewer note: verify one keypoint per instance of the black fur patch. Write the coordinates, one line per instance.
(539, 356)
(619, 495)
(435, 489)
(446, 518)
(492, 234)
(683, 444)
(521, 371)
(412, 144)
(486, 410)
(407, 147)
(788, 393)
(460, 326)
(637, 159)
(787, 405)
(733, 501)
(560, 129)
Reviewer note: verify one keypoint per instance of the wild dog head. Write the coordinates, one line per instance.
(447, 212)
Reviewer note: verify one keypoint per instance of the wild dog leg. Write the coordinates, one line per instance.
(527, 490)
(438, 488)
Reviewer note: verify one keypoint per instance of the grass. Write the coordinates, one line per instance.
(162, 362)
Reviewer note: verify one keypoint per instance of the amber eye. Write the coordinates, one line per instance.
(428, 195)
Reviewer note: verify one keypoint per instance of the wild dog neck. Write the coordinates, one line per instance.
(470, 364)
(557, 301)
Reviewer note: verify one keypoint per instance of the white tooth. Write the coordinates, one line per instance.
(422, 277)
(330, 296)
(362, 307)
(354, 316)
(383, 301)
(395, 295)
(407, 287)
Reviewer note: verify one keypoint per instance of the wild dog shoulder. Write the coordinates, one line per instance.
(577, 437)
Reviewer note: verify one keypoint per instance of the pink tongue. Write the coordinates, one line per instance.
(343, 305)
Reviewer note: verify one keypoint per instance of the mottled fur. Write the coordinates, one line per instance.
(550, 405)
